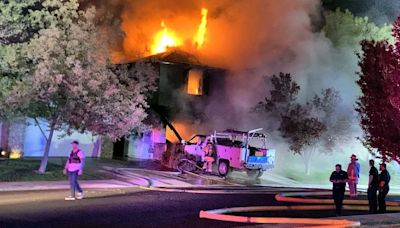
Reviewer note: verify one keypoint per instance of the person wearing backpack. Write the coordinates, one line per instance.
(74, 168)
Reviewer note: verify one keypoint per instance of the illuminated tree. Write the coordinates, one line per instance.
(70, 81)
(379, 105)
(16, 28)
(346, 30)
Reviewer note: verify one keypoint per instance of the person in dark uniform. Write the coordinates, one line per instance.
(373, 184)
(339, 179)
(384, 179)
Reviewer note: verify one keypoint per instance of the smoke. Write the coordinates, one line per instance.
(252, 39)
(239, 33)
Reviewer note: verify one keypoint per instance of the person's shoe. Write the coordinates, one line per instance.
(79, 195)
(70, 198)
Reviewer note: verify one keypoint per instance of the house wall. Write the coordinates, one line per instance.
(34, 142)
(149, 145)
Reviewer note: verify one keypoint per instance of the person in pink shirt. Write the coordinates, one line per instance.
(74, 168)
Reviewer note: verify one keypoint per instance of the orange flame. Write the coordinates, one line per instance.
(199, 38)
(195, 82)
(164, 39)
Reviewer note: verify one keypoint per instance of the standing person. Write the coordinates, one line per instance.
(339, 179)
(373, 184)
(384, 179)
(353, 170)
(74, 167)
(208, 158)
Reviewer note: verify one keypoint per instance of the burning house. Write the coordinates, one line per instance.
(185, 87)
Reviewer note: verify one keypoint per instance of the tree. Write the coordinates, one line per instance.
(302, 132)
(71, 82)
(337, 118)
(378, 106)
(15, 22)
(16, 28)
(315, 127)
(283, 96)
(346, 30)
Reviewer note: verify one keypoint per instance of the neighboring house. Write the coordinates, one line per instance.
(26, 136)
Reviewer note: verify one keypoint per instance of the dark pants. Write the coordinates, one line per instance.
(382, 200)
(73, 182)
(338, 196)
(372, 201)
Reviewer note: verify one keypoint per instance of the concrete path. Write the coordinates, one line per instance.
(53, 185)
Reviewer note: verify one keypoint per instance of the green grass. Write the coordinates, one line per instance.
(26, 170)
(300, 175)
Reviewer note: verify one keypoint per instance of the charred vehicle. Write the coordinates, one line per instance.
(229, 150)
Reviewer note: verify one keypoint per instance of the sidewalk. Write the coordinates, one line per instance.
(376, 220)
(55, 185)
(97, 166)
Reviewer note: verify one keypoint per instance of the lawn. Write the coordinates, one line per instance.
(26, 170)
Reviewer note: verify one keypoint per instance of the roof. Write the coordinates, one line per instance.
(178, 56)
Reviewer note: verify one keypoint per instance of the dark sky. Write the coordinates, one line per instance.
(378, 11)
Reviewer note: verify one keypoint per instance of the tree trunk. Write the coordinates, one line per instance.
(307, 157)
(97, 148)
(307, 166)
(5, 132)
(43, 163)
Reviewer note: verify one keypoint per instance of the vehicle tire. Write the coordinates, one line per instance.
(254, 173)
(186, 165)
(223, 168)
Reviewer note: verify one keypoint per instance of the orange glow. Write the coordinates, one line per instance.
(182, 129)
(163, 40)
(199, 38)
(195, 82)
(15, 153)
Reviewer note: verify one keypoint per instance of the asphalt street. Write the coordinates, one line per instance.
(138, 207)
(135, 209)
(132, 208)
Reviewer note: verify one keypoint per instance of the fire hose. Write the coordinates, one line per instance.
(292, 197)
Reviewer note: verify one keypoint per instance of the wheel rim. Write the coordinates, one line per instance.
(223, 168)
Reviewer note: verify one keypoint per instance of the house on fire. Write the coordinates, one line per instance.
(185, 88)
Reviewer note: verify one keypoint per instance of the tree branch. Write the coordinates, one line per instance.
(41, 130)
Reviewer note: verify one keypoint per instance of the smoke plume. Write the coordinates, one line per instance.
(252, 39)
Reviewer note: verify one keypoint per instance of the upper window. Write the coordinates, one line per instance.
(195, 82)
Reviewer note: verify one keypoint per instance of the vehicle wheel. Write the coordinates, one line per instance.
(254, 173)
(186, 165)
(223, 168)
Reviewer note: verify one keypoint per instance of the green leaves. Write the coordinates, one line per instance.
(66, 74)
(346, 30)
